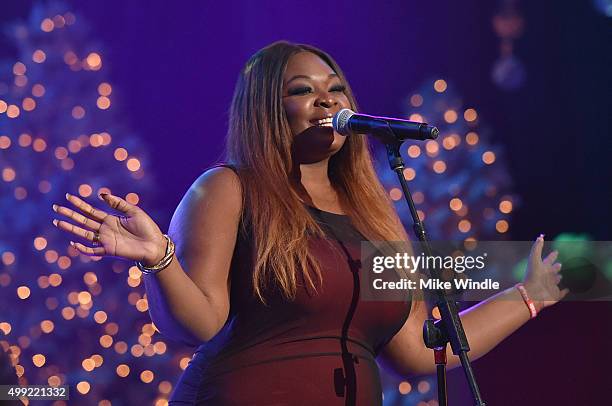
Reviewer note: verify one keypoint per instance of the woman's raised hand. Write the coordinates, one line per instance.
(543, 277)
(132, 235)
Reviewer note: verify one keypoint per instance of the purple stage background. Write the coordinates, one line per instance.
(173, 66)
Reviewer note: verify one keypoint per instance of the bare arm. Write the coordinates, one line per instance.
(189, 300)
(486, 324)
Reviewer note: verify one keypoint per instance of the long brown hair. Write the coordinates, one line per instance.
(259, 145)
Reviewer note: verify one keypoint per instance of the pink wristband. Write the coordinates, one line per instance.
(530, 305)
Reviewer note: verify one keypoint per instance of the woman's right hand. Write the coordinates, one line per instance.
(132, 235)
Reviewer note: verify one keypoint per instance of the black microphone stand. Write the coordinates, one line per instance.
(436, 334)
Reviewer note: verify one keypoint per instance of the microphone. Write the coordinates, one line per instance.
(388, 130)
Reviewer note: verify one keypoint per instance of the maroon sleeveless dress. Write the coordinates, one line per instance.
(319, 349)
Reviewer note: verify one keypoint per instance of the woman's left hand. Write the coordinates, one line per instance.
(543, 277)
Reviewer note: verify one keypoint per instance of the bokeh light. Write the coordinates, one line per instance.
(47, 326)
(85, 190)
(404, 387)
(464, 226)
(5, 142)
(409, 174)
(23, 292)
(39, 360)
(78, 112)
(395, 194)
(83, 387)
(105, 89)
(133, 164)
(38, 90)
(470, 115)
(414, 151)
(502, 226)
(455, 204)
(94, 61)
(488, 157)
(13, 111)
(450, 116)
(440, 85)
(432, 148)
(471, 138)
(103, 102)
(505, 206)
(439, 166)
(28, 104)
(123, 370)
(416, 117)
(46, 25)
(147, 376)
(416, 100)
(39, 56)
(423, 386)
(120, 154)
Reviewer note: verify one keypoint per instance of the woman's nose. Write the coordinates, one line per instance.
(326, 101)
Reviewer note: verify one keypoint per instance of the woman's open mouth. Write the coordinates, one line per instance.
(324, 122)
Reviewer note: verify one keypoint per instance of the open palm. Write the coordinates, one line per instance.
(543, 277)
(132, 235)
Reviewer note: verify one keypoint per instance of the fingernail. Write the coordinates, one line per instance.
(54, 207)
(67, 195)
(55, 222)
(72, 243)
(541, 236)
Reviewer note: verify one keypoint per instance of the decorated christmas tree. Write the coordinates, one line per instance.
(65, 318)
(460, 183)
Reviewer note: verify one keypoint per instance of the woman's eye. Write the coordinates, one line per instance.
(307, 89)
(299, 90)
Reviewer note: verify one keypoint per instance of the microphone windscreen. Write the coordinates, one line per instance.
(341, 120)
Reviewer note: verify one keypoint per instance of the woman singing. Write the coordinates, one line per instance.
(262, 254)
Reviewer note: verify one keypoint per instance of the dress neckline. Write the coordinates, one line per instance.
(323, 211)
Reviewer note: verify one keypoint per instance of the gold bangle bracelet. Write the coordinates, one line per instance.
(163, 263)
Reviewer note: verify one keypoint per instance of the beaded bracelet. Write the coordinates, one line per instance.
(163, 263)
(530, 305)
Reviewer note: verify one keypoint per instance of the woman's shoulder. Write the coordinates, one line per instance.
(218, 186)
(219, 178)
